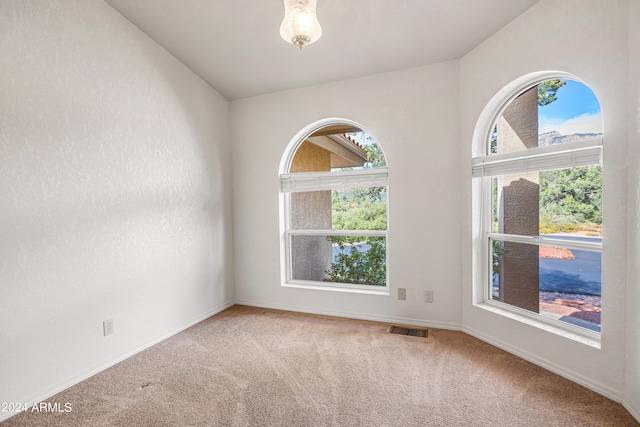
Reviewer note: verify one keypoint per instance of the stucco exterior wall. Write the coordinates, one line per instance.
(310, 158)
(519, 195)
(311, 255)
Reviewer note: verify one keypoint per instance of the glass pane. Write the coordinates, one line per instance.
(571, 201)
(558, 202)
(311, 210)
(552, 112)
(326, 151)
(351, 209)
(374, 156)
(310, 258)
(339, 259)
(359, 209)
(555, 282)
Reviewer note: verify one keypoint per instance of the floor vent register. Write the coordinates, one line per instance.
(412, 331)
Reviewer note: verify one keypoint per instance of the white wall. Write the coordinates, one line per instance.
(632, 372)
(114, 194)
(588, 39)
(413, 114)
(115, 200)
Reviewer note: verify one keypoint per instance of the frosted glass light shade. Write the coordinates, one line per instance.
(300, 25)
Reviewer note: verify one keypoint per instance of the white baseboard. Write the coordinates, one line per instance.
(589, 383)
(87, 373)
(632, 407)
(353, 315)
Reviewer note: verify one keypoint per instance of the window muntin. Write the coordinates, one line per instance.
(542, 204)
(335, 195)
(359, 260)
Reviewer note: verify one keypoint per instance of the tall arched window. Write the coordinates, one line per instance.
(541, 204)
(334, 209)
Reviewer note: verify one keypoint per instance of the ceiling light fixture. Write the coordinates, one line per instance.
(300, 25)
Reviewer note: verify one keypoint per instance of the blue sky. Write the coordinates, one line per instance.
(576, 110)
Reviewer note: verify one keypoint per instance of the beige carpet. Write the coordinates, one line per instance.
(256, 367)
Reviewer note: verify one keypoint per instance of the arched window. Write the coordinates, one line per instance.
(334, 209)
(541, 203)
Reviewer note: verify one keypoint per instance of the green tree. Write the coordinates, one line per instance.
(360, 260)
(375, 156)
(356, 265)
(362, 208)
(547, 91)
(362, 214)
(570, 197)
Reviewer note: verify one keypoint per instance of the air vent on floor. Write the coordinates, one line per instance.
(412, 331)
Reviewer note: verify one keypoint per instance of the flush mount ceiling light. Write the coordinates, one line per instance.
(300, 25)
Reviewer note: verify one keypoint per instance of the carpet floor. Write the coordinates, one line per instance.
(257, 367)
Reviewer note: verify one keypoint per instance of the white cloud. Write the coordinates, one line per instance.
(585, 123)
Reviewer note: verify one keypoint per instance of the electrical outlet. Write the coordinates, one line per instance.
(428, 296)
(402, 294)
(107, 327)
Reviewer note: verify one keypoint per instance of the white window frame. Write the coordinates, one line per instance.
(485, 166)
(319, 181)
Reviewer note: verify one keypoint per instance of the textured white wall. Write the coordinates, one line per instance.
(413, 114)
(115, 189)
(632, 371)
(114, 193)
(559, 36)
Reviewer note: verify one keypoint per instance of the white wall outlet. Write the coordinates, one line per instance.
(402, 294)
(428, 296)
(107, 327)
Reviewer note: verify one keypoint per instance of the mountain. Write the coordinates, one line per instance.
(554, 137)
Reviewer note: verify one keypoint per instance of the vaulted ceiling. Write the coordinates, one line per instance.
(236, 47)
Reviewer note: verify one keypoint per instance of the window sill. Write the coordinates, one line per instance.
(553, 326)
(356, 289)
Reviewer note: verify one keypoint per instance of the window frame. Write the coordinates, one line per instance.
(320, 181)
(485, 166)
